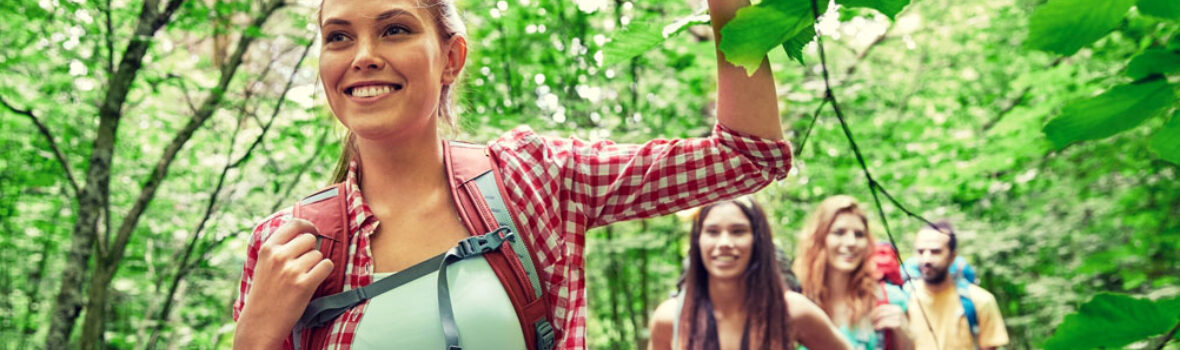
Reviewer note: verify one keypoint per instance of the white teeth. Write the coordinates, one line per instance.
(369, 91)
(726, 258)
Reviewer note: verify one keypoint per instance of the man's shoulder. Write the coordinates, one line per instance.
(980, 295)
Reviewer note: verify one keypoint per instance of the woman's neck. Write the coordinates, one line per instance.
(401, 172)
(728, 298)
(837, 285)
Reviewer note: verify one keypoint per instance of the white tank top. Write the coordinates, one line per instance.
(407, 316)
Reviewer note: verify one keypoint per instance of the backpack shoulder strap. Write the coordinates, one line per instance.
(963, 288)
(328, 211)
(478, 193)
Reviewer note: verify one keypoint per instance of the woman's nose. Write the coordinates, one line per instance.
(366, 57)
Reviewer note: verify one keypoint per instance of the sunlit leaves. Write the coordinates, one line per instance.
(1160, 8)
(756, 30)
(794, 47)
(1165, 143)
(641, 36)
(1121, 108)
(1155, 61)
(888, 7)
(1114, 320)
(1065, 26)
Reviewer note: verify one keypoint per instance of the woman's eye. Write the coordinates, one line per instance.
(860, 234)
(395, 29)
(334, 37)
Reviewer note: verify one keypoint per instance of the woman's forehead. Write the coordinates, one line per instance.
(726, 213)
(358, 10)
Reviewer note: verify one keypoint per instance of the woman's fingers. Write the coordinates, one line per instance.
(887, 316)
(289, 230)
(319, 272)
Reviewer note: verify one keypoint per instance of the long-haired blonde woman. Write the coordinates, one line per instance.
(834, 265)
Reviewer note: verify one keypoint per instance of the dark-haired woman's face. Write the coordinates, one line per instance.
(726, 242)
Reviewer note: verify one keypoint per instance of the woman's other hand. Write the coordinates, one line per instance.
(287, 273)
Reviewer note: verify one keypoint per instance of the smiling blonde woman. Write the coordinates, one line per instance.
(388, 68)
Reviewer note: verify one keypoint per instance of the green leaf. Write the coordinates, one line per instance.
(1113, 320)
(1153, 61)
(255, 32)
(1165, 143)
(1121, 108)
(641, 36)
(1065, 26)
(888, 7)
(632, 41)
(794, 47)
(1160, 8)
(756, 30)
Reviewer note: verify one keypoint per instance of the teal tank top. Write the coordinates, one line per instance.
(407, 317)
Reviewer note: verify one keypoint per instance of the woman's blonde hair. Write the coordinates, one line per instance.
(450, 24)
(811, 263)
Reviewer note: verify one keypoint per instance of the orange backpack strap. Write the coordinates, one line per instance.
(477, 188)
(328, 211)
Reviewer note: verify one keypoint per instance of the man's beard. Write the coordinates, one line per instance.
(936, 277)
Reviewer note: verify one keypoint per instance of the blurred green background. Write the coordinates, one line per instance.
(219, 121)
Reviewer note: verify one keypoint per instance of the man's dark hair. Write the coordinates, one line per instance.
(945, 227)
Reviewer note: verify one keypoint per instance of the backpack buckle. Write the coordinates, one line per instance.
(478, 245)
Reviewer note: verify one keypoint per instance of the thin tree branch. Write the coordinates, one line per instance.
(1158, 343)
(874, 187)
(185, 265)
(302, 169)
(1015, 102)
(814, 118)
(110, 40)
(206, 110)
(61, 158)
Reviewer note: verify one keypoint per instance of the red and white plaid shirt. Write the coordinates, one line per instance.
(561, 188)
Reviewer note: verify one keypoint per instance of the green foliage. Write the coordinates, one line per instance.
(1065, 26)
(1114, 320)
(888, 7)
(947, 108)
(641, 36)
(1160, 8)
(1121, 108)
(756, 30)
(1153, 61)
(1166, 141)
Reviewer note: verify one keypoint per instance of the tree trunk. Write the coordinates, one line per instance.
(90, 200)
(110, 259)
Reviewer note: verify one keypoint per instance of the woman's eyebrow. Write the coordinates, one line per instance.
(383, 16)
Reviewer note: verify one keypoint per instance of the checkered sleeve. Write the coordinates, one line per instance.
(263, 230)
(599, 183)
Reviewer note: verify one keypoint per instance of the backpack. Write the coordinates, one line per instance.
(477, 190)
(964, 277)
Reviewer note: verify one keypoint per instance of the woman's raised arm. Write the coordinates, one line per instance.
(745, 103)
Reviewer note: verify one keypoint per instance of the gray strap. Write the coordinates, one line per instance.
(326, 308)
(486, 182)
(468, 247)
(491, 194)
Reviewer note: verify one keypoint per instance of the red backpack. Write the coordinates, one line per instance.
(477, 189)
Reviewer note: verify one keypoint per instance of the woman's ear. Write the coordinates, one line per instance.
(456, 56)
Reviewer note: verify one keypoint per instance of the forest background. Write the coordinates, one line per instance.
(142, 139)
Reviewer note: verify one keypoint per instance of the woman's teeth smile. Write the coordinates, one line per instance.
(372, 90)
